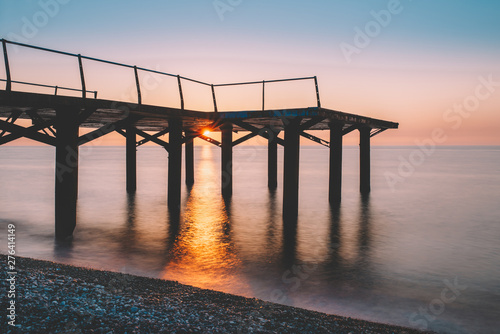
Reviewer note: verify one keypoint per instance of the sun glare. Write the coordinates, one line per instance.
(206, 132)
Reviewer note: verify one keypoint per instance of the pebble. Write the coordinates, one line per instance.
(55, 298)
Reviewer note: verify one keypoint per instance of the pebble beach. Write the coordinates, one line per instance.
(57, 298)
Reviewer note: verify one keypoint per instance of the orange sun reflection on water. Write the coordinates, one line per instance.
(203, 253)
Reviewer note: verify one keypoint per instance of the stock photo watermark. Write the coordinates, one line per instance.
(223, 6)
(363, 36)
(454, 117)
(11, 275)
(437, 306)
(31, 25)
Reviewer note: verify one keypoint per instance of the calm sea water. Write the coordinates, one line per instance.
(423, 253)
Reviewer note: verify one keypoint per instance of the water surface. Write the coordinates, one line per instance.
(422, 253)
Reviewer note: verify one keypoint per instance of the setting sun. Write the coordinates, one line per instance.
(206, 132)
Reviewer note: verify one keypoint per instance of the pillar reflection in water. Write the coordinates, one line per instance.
(201, 252)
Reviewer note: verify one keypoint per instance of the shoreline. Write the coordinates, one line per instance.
(59, 298)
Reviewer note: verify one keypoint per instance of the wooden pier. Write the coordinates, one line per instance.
(56, 120)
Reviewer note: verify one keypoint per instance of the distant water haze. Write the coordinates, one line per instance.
(421, 251)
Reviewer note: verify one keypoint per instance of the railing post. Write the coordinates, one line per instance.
(8, 86)
(263, 94)
(55, 91)
(213, 96)
(138, 85)
(82, 76)
(317, 91)
(180, 91)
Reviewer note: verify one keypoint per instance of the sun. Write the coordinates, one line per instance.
(206, 132)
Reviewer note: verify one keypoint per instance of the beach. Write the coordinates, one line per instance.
(57, 298)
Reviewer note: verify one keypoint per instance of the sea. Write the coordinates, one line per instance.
(422, 250)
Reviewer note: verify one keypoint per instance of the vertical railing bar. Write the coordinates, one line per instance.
(213, 96)
(95, 94)
(138, 85)
(8, 86)
(55, 91)
(82, 76)
(317, 91)
(263, 94)
(180, 91)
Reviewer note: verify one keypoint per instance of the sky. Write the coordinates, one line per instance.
(432, 66)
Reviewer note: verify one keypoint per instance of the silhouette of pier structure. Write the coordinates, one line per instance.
(56, 120)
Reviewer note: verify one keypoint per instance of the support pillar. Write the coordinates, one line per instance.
(335, 187)
(189, 151)
(131, 157)
(291, 170)
(66, 187)
(272, 160)
(227, 159)
(364, 160)
(174, 163)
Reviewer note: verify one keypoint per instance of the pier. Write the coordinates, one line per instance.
(57, 118)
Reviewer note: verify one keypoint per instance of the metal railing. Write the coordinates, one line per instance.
(136, 69)
(56, 88)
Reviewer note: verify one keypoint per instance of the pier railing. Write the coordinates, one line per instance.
(136, 70)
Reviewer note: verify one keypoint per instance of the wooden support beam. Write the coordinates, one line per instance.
(376, 132)
(227, 159)
(156, 135)
(350, 129)
(66, 187)
(12, 119)
(364, 160)
(272, 160)
(123, 133)
(85, 113)
(210, 140)
(131, 158)
(36, 119)
(313, 121)
(174, 163)
(31, 132)
(315, 139)
(335, 175)
(189, 151)
(244, 138)
(108, 128)
(263, 132)
(154, 139)
(291, 169)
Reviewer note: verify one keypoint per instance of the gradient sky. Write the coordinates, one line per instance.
(417, 67)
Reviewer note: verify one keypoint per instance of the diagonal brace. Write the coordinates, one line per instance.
(108, 128)
(31, 132)
(12, 118)
(376, 132)
(259, 132)
(245, 138)
(315, 139)
(156, 135)
(153, 139)
(37, 119)
(210, 140)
